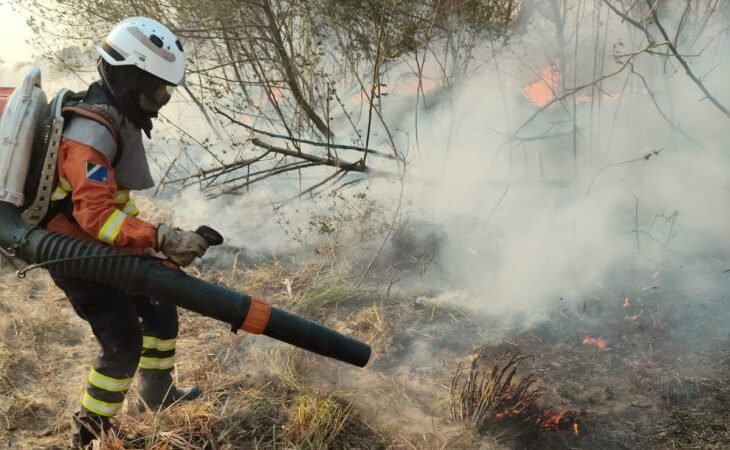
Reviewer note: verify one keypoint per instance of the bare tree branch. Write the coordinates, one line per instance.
(329, 161)
(290, 70)
(303, 141)
(672, 46)
(683, 62)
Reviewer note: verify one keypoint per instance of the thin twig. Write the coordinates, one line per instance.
(375, 84)
(646, 157)
(659, 109)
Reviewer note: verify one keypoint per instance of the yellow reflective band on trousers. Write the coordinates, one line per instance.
(154, 343)
(108, 383)
(147, 362)
(99, 407)
(113, 224)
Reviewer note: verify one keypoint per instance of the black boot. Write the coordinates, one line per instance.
(156, 389)
(87, 427)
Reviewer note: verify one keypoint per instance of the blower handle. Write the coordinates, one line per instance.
(213, 237)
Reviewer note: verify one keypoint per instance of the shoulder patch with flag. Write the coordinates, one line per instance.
(97, 172)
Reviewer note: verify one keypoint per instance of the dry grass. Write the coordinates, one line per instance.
(234, 415)
(373, 325)
(230, 416)
(320, 299)
(317, 420)
(5, 366)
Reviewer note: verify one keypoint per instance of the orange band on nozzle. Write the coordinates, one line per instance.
(258, 316)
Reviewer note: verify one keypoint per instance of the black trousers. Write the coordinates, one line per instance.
(131, 330)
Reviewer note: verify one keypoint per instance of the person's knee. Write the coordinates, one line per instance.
(167, 319)
(125, 353)
(135, 347)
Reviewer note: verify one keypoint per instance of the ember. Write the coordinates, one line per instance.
(508, 394)
(549, 420)
(599, 343)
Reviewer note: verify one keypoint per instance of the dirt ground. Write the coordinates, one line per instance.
(642, 365)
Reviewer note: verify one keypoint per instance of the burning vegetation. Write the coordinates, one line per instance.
(491, 398)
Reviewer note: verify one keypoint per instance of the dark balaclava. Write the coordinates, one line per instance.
(133, 92)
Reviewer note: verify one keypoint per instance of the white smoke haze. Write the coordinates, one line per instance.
(522, 239)
(527, 223)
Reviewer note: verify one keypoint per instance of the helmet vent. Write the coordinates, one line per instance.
(156, 40)
(179, 45)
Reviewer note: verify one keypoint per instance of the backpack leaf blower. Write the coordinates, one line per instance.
(30, 131)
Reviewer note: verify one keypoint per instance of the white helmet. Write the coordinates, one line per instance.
(147, 44)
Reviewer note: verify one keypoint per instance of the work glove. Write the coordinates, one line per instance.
(180, 247)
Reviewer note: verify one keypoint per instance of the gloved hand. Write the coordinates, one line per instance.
(180, 246)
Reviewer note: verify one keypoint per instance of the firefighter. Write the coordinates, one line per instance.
(101, 159)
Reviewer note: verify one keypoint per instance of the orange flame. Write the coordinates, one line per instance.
(599, 343)
(576, 428)
(550, 420)
(509, 393)
(627, 303)
(542, 91)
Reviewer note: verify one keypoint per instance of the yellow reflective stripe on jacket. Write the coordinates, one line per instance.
(64, 184)
(109, 231)
(154, 343)
(108, 383)
(121, 196)
(99, 407)
(147, 362)
(62, 190)
(58, 194)
(130, 208)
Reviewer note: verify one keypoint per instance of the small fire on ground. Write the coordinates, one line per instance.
(489, 394)
(549, 420)
(600, 344)
(546, 420)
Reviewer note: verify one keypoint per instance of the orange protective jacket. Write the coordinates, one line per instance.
(102, 210)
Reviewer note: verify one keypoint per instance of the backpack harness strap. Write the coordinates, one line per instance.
(102, 116)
